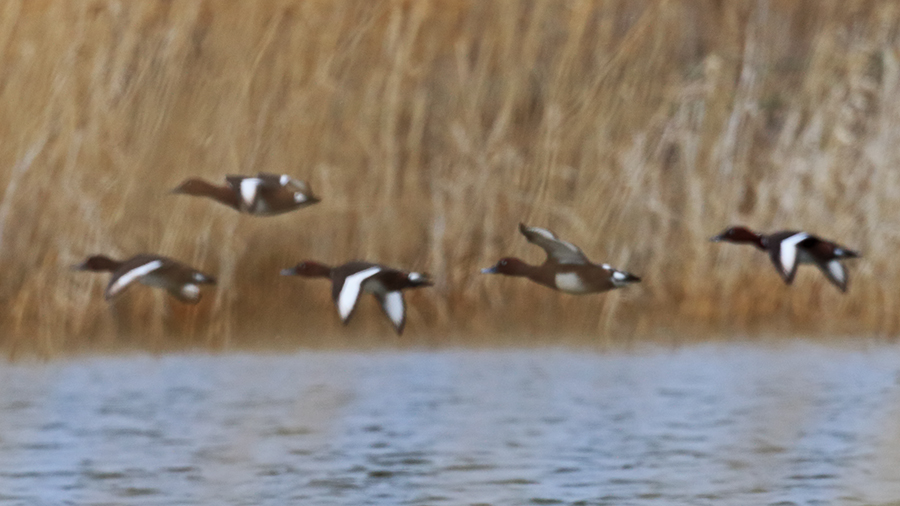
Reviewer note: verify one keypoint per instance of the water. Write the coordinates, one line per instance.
(731, 424)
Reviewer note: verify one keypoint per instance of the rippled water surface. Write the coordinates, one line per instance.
(735, 425)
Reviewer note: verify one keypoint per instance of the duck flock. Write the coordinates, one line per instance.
(566, 268)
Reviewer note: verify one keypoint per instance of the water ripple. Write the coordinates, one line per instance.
(737, 425)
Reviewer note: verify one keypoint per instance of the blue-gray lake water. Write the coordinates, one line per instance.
(733, 424)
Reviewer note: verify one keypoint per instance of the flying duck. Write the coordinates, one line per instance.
(351, 279)
(566, 268)
(789, 248)
(260, 195)
(181, 281)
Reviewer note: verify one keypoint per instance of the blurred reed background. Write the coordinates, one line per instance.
(636, 129)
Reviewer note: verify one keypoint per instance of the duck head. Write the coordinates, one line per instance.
(308, 269)
(738, 235)
(97, 263)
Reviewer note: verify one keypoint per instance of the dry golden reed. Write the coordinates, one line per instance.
(636, 129)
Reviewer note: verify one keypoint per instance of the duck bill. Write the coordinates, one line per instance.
(489, 270)
(292, 271)
(79, 267)
(717, 238)
(631, 278)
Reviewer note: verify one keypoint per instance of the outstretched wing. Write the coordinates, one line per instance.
(249, 188)
(835, 273)
(124, 278)
(786, 254)
(346, 292)
(559, 251)
(394, 307)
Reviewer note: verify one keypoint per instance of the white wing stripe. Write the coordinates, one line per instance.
(128, 277)
(393, 306)
(543, 232)
(837, 271)
(249, 188)
(351, 288)
(789, 251)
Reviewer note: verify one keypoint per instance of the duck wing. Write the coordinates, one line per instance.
(784, 251)
(835, 273)
(181, 281)
(394, 307)
(346, 289)
(827, 255)
(559, 251)
(820, 248)
(251, 188)
(133, 270)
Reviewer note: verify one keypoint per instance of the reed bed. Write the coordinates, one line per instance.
(636, 129)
